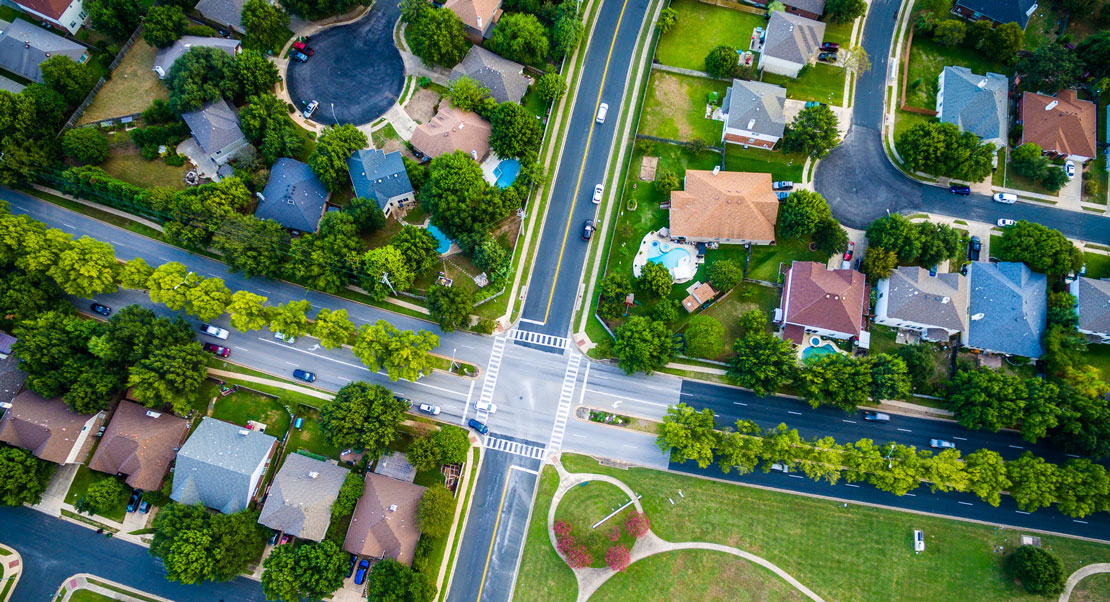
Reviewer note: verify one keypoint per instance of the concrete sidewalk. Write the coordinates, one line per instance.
(95, 584)
(12, 570)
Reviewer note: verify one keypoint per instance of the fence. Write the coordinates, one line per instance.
(732, 4)
(91, 96)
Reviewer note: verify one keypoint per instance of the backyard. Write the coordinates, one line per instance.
(742, 299)
(309, 436)
(246, 405)
(81, 482)
(821, 82)
(132, 87)
(765, 259)
(675, 106)
(128, 165)
(782, 166)
(699, 29)
(928, 59)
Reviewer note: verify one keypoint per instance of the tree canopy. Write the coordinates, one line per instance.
(333, 147)
(163, 25)
(438, 37)
(813, 131)
(643, 345)
(515, 131)
(362, 416)
(195, 545)
(200, 76)
(1039, 247)
(520, 37)
(941, 149)
(311, 570)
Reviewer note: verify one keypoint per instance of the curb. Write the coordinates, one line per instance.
(13, 557)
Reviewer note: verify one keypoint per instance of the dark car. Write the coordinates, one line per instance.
(828, 57)
(133, 503)
(974, 248)
(144, 507)
(304, 375)
(103, 310)
(302, 47)
(960, 189)
(216, 349)
(588, 229)
(298, 56)
(830, 47)
(478, 426)
(351, 562)
(360, 574)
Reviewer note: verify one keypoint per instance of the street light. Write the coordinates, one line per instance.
(889, 462)
(183, 281)
(333, 113)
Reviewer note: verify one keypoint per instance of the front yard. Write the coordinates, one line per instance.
(132, 87)
(699, 29)
(782, 166)
(821, 82)
(81, 483)
(928, 59)
(675, 105)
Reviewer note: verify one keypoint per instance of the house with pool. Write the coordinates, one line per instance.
(820, 303)
(935, 306)
(724, 207)
(452, 130)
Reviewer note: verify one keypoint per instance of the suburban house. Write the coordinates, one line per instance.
(215, 127)
(166, 56)
(935, 306)
(382, 177)
(1094, 307)
(790, 43)
(141, 444)
(221, 466)
(810, 9)
(478, 16)
(300, 498)
(24, 46)
(1062, 126)
(49, 429)
(294, 197)
(828, 303)
(225, 13)
(753, 114)
(997, 11)
(975, 103)
(1008, 308)
(384, 522)
(725, 207)
(504, 79)
(69, 15)
(452, 130)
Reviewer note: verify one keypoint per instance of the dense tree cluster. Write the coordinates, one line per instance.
(311, 570)
(941, 149)
(812, 132)
(164, 25)
(1027, 160)
(23, 477)
(117, 18)
(391, 581)
(522, 38)
(333, 147)
(438, 37)
(643, 345)
(894, 241)
(1039, 247)
(1002, 41)
(265, 24)
(313, 10)
(363, 416)
(196, 545)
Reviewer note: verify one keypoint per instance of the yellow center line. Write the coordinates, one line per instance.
(501, 506)
(582, 169)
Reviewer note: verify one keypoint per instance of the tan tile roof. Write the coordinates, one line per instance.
(820, 298)
(453, 130)
(380, 532)
(1067, 128)
(139, 445)
(46, 427)
(477, 14)
(729, 205)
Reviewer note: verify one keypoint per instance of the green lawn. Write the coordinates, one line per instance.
(135, 169)
(1041, 29)
(674, 107)
(309, 437)
(81, 482)
(132, 87)
(764, 264)
(1098, 265)
(745, 297)
(701, 28)
(696, 575)
(588, 503)
(841, 33)
(84, 595)
(821, 82)
(381, 136)
(1014, 180)
(532, 101)
(241, 406)
(543, 575)
(904, 121)
(1090, 589)
(782, 166)
(928, 59)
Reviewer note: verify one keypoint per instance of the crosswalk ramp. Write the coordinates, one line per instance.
(490, 381)
(513, 447)
(536, 338)
(566, 394)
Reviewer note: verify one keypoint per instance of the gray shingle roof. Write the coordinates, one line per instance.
(939, 301)
(792, 38)
(224, 12)
(1003, 11)
(756, 107)
(300, 499)
(11, 85)
(1094, 305)
(1008, 308)
(294, 196)
(504, 78)
(24, 46)
(215, 465)
(813, 6)
(166, 56)
(975, 103)
(376, 175)
(215, 125)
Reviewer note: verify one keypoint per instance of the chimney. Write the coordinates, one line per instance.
(479, 22)
(751, 124)
(982, 83)
(1051, 105)
(393, 507)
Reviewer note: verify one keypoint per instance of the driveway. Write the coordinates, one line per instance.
(356, 73)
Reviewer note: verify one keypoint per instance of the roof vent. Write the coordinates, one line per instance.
(313, 474)
(982, 83)
(461, 124)
(474, 154)
(945, 299)
(153, 414)
(244, 432)
(751, 123)
(978, 316)
(393, 507)
(1051, 105)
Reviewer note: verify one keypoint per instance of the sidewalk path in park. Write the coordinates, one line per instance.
(96, 584)
(11, 569)
(1077, 576)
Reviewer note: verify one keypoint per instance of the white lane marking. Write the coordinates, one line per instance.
(1071, 455)
(466, 346)
(793, 412)
(912, 494)
(632, 446)
(164, 259)
(69, 225)
(905, 430)
(115, 242)
(343, 378)
(687, 394)
(851, 485)
(523, 469)
(739, 403)
(967, 503)
(579, 436)
(796, 476)
(262, 290)
(848, 421)
(239, 348)
(291, 363)
(1017, 447)
(650, 403)
(536, 322)
(1082, 522)
(1020, 512)
(959, 438)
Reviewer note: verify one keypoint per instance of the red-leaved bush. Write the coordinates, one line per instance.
(561, 527)
(618, 558)
(637, 524)
(615, 534)
(576, 554)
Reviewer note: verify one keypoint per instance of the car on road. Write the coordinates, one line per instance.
(281, 336)
(360, 574)
(304, 375)
(478, 426)
(941, 444)
(851, 249)
(1069, 169)
(960, 189)
(404, 400)
(830, 47)
(1002, 223)
(428, 408)
(1005, 197)
(216, 349)
(303, 48)
(133, 503)
(602, 111)
(828, 57)
(588, 229)
(300, 57)
(310, 109)
(876, 416)
(351, 562)
(598, 191)
(214, 331)
(782, 185)
(485, 406)
(103, 310)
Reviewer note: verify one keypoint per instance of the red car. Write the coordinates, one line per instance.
(216, 349)
(302, 47)
(848, 253)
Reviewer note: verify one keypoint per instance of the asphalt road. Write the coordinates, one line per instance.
(54, 550)
(861, 184)
(557, 271)
(356, 73)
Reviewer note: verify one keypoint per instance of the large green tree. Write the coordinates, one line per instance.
(721, 62)
(688, 434)
(455, 195)
(117, 18)
(941, 149)
(70, 79)
(401, 353)
(418, 248)
(195, 545)
(333, 328)
(86, 267)
(515, 131)
(333, 147)
(450, 306)
(705, 337)
(383, 271)
(643, 345)
(1039, 571)
(87, 145)
(363, 416)
(391, 581)
(265, 24)
(438, 37)
(312, 570)
(254, 74)
(520, 37)
(762, 362)
(202, 75)
(436, 512)
(897, 234)
(812, 132)
(1039, 247)
(1049, 69)
(266, 123)
(801, 213)
(248, 311)
(567, 31)
(23, 477)
(255, 247)
(845, 11)
(655, 280)
(836, 379)
(163, 25)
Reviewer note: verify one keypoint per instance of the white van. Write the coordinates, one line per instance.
(1005, 197)
(602, 111)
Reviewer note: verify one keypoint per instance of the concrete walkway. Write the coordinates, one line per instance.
(690, 72)
(1076, 577)
(273, 383)
(106, 209)
(85, 581)
(13, 568)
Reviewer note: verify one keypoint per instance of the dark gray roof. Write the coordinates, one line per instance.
(376, 175)
(294, 197)
(975, 103)
(1003, 11)
(300, 499)
(756, 107)
(215, 465)
(166, 56)
(24, 46)
(813, 6)
(1094, 304)
(11, 85)
(791, 37)
(224, 12)
(215, 125)
(505, 79)
(939, 301)
(1008, 308)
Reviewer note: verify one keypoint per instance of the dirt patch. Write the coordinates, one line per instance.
(422, 106)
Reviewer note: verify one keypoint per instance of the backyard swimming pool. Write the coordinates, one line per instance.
(816, 349)
(444, 242)
(670, 258)
(506, 172)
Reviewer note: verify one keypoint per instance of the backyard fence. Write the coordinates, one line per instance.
(91, 96)
(732, 4)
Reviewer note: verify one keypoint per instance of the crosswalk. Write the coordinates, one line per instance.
(536, 338)
(490, 382)
(513, 447)
(570, 377)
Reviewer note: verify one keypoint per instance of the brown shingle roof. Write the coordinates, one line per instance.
(729, 205)
(50, 8)
(1068, 128)
(46, 427)
(700, 295)
(139, 445)
(378, 531)
(453, 130)
(819, 298)
(476, 14)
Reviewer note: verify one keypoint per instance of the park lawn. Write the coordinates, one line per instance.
(133, 168)
(1092, 588)
(1098, 265)
(543, 575)
(765, 260)
(243, 405)
(928, 59)
(744, 298)
(85, 595)
(131, 89)
(699, 29)
(674, 107)
(782, 166)
(696, 575)
(310, 437)
(821, 82)
(81, 483)
(588, 503)
(828, 545)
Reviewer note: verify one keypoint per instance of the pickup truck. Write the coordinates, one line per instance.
(214, 331)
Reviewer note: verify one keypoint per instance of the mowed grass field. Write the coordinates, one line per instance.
(699, 29)
(675, 105)
(132, 87)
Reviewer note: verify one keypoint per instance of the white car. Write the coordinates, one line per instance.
(1002, 223)
(598, 191)
(428, 408)
(602, 111)
(485, 406)
(1005, 197)
(214, 331)
(311, 108)
(1069, 169)
(282, 337)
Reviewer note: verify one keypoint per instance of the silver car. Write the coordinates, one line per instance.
(941, 444)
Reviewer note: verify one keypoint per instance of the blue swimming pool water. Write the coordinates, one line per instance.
(444, 242)
(816, 352)
(506, 172)
(665, 255)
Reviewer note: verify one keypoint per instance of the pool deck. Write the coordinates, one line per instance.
(662, 236)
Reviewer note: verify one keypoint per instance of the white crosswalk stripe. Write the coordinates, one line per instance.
(536, 338)
(570, 377)
(490, 381)
(513, 447)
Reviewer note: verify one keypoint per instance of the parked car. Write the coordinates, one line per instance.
(300, 57)
(485, 406)
(304, 375)
(428, 408)
(310, 109)
(933, 271)
(830, 47)
(973, 249)
(602, 111)
(1002, 223)
(941, 444)
(360, 574)
(478, 426)
(285, 539)
(813, 103)
(133, 503)
(876, 416)
(851, 249)
(351, 562)
(598, 191)
(216, 349)
(960, 189)
(214, 331)
(828, 57)
(782, 185)
(588, 229)
(103, 310)
(281, 336)
(1069, 169)
(304, 48)
(1005, 197)
(144, 507)
(782, 195)
(976, 244)
(405, 400)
